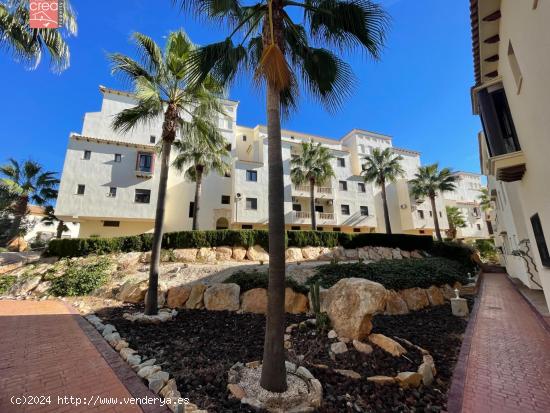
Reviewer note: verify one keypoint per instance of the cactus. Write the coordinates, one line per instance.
(322, 319)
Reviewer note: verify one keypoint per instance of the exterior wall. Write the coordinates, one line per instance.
(38, 229)
(95, 228)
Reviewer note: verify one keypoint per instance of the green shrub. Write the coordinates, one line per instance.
(396, 274)
(249, 280)
(6, 282)
(487, 249)
(403, 241)
(302, 239)
(81, 279)
(454, 251)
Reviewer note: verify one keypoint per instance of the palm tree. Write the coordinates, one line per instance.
(381, 167)
(264, 39)
(27, 182)
(197, 153)
(162, 91)
(29, 45)
(314, 167)
(428, 181)
(456, 220)
(50, 219)
(485, 199)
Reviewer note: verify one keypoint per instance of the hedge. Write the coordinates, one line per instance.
(454, 251)
(403, 241)
(396, 274)
(249, 280)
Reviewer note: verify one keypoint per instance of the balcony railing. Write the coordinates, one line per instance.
(327, 190)
(321, 216)
(142, 173)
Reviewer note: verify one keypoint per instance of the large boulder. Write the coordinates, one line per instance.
(325, 254)
(239, 253)
(257, 253)
(133, 291)
(363, 253)
(311, 253)
(435, 296)
(396, 254)
(385, 252)
(195, 299)
(186, 254)
(17, 244)
(351, 303)
(295, 303)
(178, 296)
(220, 297)
(128, 260)
(207, 255)
(373, 254)
(25, 285)
(351, 254)
(294, 254)
(416, 298)
(224, 253)
(339, 253)
(254, 301)
(448, 292)
(395, 305)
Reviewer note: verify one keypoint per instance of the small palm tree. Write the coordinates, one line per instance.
(162, 91)
(485, 199)
(428, 181)
(382, 167)
(50, 219)
(199, 157)
(456, 220)
(29, 45)
(27, 182)
(314, 167)
(266, 39)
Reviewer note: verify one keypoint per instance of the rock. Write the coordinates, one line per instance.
(108, 329)
(409, 379)
(304, 373)
(448, 292)
(176, 297)
(126, 352)
(459, 307)
(160, 375)
(363, 253)
(338, 347)
(127, 260)
(385, 253)
(435, 296)
(257, 253)
(428, 359)
(339, 253)
(350, 305)
(254, 301)
(332, 334)
(416, 254)
(416, 298)
(133, 292)
(222, 297)
(26, 285)
(186, 254)
(396, 254)
(147, 371)
(207, 255)
(311, 253)
(351, 254)
(147, 363)
(427, 374)
(169, 388)
(121, 344)
(405, 254)
(387, 344)
(42, 288)
(395, 304)
(236, 391)
(224, 253)
(133, 360)
(294, 254)
(295, 303)
(155, 385)
(145, 258)
(349, 373)
(362, 347)
(195, 299)
(113, 339)
(239, 253)
(161, 294)
(17, 244)
(325, 254)
(381, 380)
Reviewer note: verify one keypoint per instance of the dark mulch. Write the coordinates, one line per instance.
(199, 347)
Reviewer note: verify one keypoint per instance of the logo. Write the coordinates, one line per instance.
(45, 14)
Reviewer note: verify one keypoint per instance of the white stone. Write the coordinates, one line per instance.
(147, 371)
(459, 307)
(338, 347)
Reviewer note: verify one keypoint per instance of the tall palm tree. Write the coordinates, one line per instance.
(264, 39)
(485, 199)
(382, 167)
(456, 220)
(162, 92)
(50, 219)
(314, 167)
(196, 157)
(428, 181)
(27, 182)
(29, 45)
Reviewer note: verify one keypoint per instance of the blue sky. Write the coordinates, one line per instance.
(418, 93)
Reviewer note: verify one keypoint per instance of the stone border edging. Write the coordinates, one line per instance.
(455, 396)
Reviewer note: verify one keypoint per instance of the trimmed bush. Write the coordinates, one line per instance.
(403, 241)
(81, 279)
(302, 239)
(396, 274)
(454, 251)
(249, 280)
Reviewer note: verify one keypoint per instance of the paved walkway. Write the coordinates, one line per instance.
(44, 351)
(508, 365)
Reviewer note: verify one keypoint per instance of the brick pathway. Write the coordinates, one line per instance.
(508, 365)
(45, 351)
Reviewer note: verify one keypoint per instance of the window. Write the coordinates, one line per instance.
(145, 162)
(118, 157)
(191, 209)
(440, 214)
(356, 229)
(421, 231)
(152, 139)
(112, 192)
(478, 227)
(252, 176)
(514, 65)
(343, 185)
(226, 199)
(344, 209)
(421, 214)
(540, 240)
(361, 187)
(364, 211)
(341, 162)
(319, 208)
(431, 214)
(244, 138)
(297, 207)
(319, 228)
(143, 196)
(251, 203)
(228, 147)
(80, 189)
(336, 229)
(295, 228)
(246, 226)
(111, 223)
(87, 155)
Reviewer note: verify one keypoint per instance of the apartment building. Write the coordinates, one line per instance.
(109, 181)
(511, 44)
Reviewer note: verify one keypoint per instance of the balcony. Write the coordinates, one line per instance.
(303, 190)
(142, 173)
(303, 217)
(509, 167)
(145, 164)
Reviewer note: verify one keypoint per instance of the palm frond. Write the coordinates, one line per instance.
(143, 113)
(149, 52)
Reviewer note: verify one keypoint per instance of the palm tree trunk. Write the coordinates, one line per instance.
(168, 136)
(59, 229)
(198, 191)
(436, 219)
(19, 213)
(386, 211)
(312, 205)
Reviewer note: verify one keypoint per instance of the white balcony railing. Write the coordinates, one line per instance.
(327, 190)
(144, 174)
(306, 216)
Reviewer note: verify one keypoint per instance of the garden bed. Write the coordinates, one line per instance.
(199, 347)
